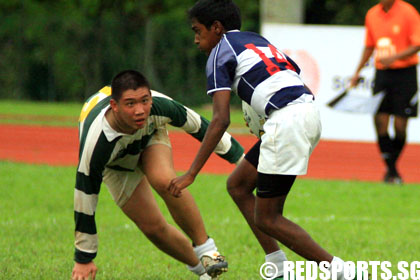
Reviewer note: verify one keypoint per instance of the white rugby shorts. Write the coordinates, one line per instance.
(291, 134)
(121, 184)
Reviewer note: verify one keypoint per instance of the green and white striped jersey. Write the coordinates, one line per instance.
(102, 147)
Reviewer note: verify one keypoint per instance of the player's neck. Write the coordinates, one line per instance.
(387, 5)
(115, 123)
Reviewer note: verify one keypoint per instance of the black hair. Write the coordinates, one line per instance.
(207, 12)
(125, 80)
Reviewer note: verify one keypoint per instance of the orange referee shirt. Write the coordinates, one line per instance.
(392, 32)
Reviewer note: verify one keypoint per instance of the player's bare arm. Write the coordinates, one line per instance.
(387, 61)
(367, 53)
(218, 126)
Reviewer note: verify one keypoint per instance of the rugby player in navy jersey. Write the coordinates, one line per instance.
(269, 81)
(124, 143)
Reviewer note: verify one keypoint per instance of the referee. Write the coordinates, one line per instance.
(393, 34)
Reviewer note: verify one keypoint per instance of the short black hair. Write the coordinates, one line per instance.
(125, 80)
(207, 12)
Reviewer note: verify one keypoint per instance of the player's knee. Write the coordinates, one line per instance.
(232, 188)
(236, 189)
(161, 186)
(263, 223)
(400, 132)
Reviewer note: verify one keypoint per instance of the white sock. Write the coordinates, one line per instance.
(277, 257)
(340, 275)
(207, 246)
(198, 269)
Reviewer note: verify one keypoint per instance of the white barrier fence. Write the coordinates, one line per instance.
(328, 57)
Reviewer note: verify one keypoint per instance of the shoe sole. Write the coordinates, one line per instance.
(214, 267)
(217, 269)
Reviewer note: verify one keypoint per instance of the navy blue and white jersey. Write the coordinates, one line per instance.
(258, 72)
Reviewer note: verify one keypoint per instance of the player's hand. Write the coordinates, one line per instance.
(179, 183)
(354, 80)
(387, 61)
(84, 271)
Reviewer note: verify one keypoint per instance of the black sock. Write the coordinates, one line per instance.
(398, 144)
(386, 145)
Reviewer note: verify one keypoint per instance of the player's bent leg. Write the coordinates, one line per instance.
(269, 219)
(240, 185)
(143, 210)
(157, 164)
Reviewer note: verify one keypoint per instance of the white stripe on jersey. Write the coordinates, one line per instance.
(159, 94)
(92, 137)
(86, 242)
(214, 65)
(248, 58)
(85, 203)
(193, 123)
(218, 89)
(266, 89)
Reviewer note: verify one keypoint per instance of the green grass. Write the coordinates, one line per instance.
(353, 220)
(67, 114)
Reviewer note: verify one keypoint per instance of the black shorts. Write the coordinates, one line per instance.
(400, 87)
(253, 154)
(269, 185)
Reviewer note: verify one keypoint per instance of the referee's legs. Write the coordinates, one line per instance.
(391, 148)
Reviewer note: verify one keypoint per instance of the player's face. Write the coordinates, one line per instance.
(132, 110)
(206, 39)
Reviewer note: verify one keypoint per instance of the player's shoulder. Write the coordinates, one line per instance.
(236, 35)
(237, 41)
(373, 11)
(164, 105)
(408, 8)
(159, 95)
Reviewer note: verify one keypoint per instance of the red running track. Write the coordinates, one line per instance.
(330, 160)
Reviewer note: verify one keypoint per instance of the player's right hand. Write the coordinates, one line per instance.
(354, 80)
(84, 271)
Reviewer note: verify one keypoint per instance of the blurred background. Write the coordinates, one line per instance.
(66, 50)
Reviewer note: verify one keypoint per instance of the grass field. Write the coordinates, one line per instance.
(354, 220)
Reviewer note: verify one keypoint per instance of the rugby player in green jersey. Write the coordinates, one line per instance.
(124, 143)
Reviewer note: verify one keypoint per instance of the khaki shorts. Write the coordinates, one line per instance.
(121, 184)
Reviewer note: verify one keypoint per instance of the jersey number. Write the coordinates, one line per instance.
(271, 67)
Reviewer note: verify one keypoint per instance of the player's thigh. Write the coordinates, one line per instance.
(157, 165)
(400, 86)
(121, 184)
(291, 134)
(143, 209)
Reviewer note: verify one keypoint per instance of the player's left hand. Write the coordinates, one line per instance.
(387, 61)
(179, 183)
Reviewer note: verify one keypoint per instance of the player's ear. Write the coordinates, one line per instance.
(113, 104)
(218, 28)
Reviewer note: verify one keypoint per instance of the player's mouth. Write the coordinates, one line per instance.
(140, 122)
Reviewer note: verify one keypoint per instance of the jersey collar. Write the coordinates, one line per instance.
(392, 10)
(109, 132)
